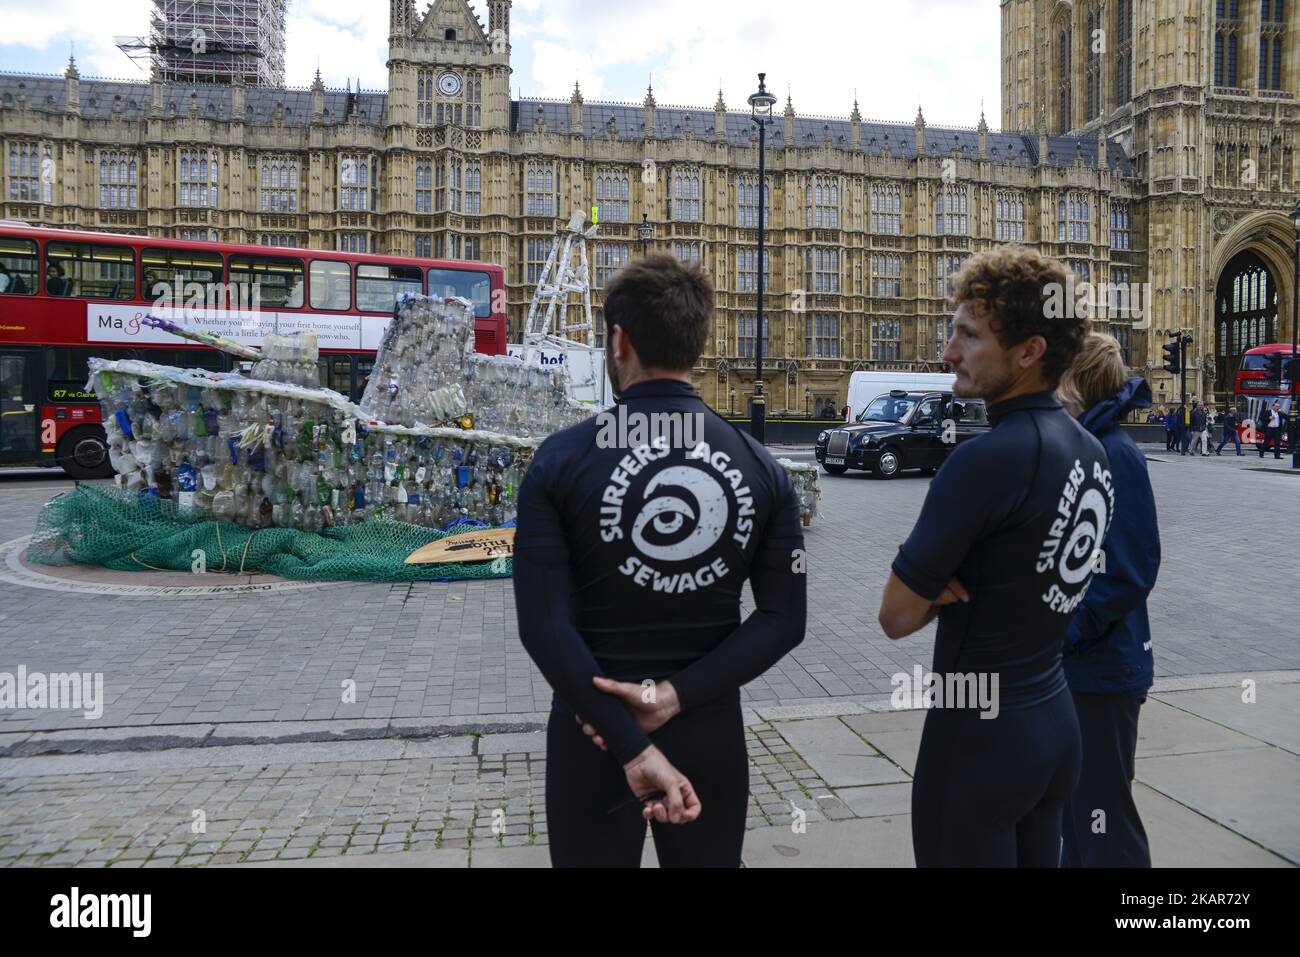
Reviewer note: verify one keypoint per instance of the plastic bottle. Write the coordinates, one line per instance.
(186, 485)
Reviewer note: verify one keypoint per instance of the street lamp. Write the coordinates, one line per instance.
(646, 231)
(731, 406)
(1294, 436)
(760, 105)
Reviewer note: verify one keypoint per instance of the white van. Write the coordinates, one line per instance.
(865, 386)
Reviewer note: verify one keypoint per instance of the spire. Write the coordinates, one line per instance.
(649, 121)
(984, 126)
(575, 111)
(318, 83)
(920, 118)
(72, 82)
(855, 116)
(920, 132)
(720, 106)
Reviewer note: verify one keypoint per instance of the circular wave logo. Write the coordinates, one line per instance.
(684, 515)
(1079, 556)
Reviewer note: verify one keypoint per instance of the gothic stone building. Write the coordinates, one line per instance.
(1167, 158)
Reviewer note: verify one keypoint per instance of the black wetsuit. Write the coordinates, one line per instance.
(1017, 516)
(629, 562)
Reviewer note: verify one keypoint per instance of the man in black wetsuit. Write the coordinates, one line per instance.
(1002, 554)
(633, 545)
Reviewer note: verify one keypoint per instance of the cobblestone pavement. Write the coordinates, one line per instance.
(289, 802)
(834, 787)
(219, 705)
(428, 651)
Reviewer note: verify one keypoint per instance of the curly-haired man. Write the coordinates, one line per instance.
(1002, 553)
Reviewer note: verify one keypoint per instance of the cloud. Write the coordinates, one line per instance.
(941, 54)
(49, 27)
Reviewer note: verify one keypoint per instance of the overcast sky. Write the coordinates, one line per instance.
(895, 54)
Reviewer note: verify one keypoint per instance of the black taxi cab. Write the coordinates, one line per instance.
(902, 430)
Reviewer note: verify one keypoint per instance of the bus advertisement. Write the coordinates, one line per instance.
(1261, 381)
(66, 296)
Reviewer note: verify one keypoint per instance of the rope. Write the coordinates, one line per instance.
(245, 554)
(147, 565)
(224, 560)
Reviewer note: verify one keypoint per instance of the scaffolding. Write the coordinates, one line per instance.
(565, 274)
(213, 41)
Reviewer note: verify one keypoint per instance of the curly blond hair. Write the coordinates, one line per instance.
(1012, 286)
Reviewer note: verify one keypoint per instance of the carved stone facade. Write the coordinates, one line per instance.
(1205, 97)
(866, 219)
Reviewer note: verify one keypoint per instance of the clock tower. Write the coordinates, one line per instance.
(446, 69)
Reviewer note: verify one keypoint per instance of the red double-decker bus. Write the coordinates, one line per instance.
(66, 296)
(1261, 380)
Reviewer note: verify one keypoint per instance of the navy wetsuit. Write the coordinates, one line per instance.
(629, 562)
(1017, 515)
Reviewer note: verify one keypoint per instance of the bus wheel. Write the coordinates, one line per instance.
(83, 453)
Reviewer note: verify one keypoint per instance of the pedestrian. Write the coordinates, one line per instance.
(1272, 422)
(1108, 660)
(1196, 427)
(1182, 423)
(629, 567)
(1207, 422)
(1001, 554)
(1229, 423)
(1171, 430)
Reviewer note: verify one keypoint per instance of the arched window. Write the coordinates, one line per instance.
(1064, 70)
(1227, 25)
(1123, 32)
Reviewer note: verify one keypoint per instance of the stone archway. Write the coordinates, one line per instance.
(1265, 239)
(1246, 314)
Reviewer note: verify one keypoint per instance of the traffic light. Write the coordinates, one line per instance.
(1173, 363)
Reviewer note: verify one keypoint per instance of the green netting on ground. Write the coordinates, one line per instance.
(111, 528)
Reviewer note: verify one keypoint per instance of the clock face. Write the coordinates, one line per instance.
(449, 84)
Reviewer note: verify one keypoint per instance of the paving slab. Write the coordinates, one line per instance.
(890, 720)
(537, 856)
(528, 742)
(882, 800)
(1180, 837)
(878, 842)
(461, 745)
(836, 753)
(1252, 792)
(1164, 729)
(447, 857)
(1273, 717)
(900, 746)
